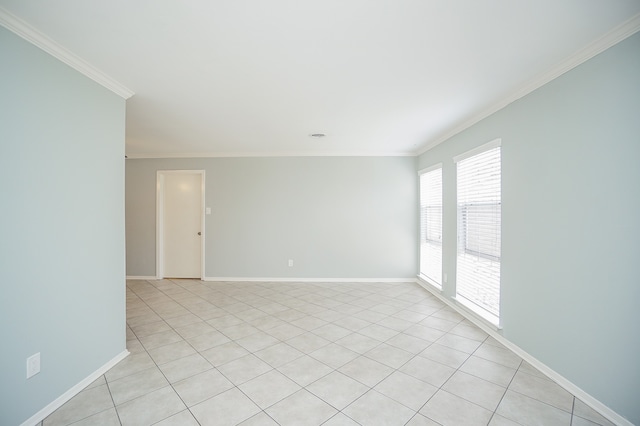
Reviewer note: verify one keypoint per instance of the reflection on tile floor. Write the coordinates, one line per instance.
(206, 353)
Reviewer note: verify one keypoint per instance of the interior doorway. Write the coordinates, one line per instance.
(180, 224)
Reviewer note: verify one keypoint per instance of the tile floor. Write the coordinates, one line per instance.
(205, 353)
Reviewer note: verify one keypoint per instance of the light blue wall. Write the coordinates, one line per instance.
(61, 227)
(336, 217)
(571, 222)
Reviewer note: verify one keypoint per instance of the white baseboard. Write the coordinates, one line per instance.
(553, 375)
(142, 277)
(312, 280)
(62, 399)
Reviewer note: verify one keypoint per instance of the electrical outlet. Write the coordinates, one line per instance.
(290, 262)
(33, 365)
(445, 277)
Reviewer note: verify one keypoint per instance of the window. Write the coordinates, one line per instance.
(431, 225)
(479, 230)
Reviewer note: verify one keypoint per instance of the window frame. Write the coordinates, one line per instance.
(424, 228)
(460, 299)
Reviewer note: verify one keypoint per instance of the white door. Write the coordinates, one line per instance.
(182, 221)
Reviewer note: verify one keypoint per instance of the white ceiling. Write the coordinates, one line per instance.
(378, 77)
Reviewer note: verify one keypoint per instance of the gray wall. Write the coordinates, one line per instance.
(61, 227)
(336, 217)
(571, 203)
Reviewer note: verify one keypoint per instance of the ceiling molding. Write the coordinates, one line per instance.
(35, 37)
(264, 154)
(619, 33)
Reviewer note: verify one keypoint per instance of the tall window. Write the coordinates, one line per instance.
(431, 225)
(479, 235)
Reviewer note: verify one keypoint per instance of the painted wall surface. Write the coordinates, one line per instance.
(61, 227)
(336, 217)
(570, 231)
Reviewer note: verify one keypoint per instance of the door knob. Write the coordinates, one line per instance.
(199, 233)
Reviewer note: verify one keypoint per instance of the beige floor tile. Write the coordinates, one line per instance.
(428, 371)
(469, 331)
(225, 321)
(239, 331)
(331, 332)
(301, 409)
(389, 355)
(269, 388)
(228, 408)
(147, 318)
(542, 390)
(150, 408)
(257, 341)
(195, 329)
(378, 332)
(459, 343)
(448, 314)
(340, 420)
(86, 403)
(448, 409)
(135, 385)
(333, 355)
(244, 369)
(479, 391)
(488, 370)
(583, 411)
(208, 340)
(358, 342)
(367, 314)
(171, 352)
(498, 355)
(104, 418)
(307, 342)
(151, 328)
(160, 339)
(201, 387)
(285, 331)
(352, 323)
(445, 355)
(531, 412)
(224, 353)
(305, 370)
(375, 409)
(278, 354)
(190, 327)
(408, 343)
(183, 418)
(366, 370)
(407, 390)
(525, 367)
(185, 367)
(498, 420)
(438, 323)
(134, 363)
(266, 323)
(183, 320)
(260, 419)
(425, 333)
(396, 324)
(420, 420)
(337, 389)
(309, 323)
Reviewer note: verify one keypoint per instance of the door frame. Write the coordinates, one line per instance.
(160, 174)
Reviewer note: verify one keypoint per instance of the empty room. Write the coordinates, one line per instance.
(320, 212)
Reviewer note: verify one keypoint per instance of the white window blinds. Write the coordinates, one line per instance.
(431, 226)
(479, 235)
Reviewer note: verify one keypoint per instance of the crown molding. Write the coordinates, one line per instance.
(152, 155)
(611, 38)
(38, 39)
